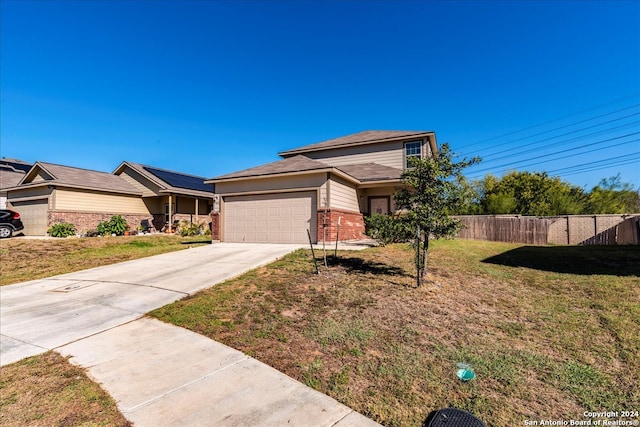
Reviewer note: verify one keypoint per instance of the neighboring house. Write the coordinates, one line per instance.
(326, 188)
(50, 193)
(11, 172)
(170, 196)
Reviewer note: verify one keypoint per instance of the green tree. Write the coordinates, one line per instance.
(432, 192)
(530, 193)
(469, 197)
(611, 196)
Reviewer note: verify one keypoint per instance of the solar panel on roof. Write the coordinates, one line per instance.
(181, 181)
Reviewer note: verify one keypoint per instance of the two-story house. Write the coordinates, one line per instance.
(324, 188)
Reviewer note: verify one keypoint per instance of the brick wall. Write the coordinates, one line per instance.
(85, 221)
(351, 225)
(215, 226)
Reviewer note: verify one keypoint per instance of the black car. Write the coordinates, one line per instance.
(9, 223)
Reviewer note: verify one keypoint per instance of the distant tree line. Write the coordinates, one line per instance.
(538, 194)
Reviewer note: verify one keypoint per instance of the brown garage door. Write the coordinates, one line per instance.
(33, 215)
(270, 218)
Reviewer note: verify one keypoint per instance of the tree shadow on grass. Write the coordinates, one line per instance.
(358, 265)
(581, 260)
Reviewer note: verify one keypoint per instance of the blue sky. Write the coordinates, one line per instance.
(210, 87)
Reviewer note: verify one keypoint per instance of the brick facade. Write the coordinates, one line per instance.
(85, 221)
(215, 226)
(351, 225)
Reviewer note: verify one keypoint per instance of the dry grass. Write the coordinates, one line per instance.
(47, 390)
(551, 332)
(27, 259)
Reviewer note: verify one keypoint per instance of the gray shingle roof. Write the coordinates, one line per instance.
(362, 172)
(366, 137)
(10, 178)
(291, 164)
(371, 172)
(84, 178)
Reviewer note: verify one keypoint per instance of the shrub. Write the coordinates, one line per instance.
(116, 225)
(187, 228)
(387, 229)
(62, 229)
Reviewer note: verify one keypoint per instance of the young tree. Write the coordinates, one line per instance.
(432, 192)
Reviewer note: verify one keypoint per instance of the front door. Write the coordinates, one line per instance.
(379, 205)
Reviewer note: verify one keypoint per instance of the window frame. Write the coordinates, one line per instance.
(408, 156)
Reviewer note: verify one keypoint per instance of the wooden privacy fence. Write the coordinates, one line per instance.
(561, 230)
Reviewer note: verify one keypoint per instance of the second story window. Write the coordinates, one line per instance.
(412, 150)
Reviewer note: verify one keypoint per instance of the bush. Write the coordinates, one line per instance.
(387, 229)
(187, 228)
(116, 225)
(63, 229)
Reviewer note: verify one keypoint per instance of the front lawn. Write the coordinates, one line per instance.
(550, 331)
(47, 390)
(29, 259)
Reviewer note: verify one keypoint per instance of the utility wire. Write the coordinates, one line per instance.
(480, 171)
(621, 163)
(562, 142)
(622, 158)
(634, 95)
(567, 133)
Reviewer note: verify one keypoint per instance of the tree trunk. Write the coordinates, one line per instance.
(425, 248)
(418, 266)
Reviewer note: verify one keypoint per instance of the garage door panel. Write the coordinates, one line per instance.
(33, 214)
(270, 218)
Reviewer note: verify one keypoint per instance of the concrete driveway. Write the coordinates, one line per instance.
(160, 374)
(44, 314)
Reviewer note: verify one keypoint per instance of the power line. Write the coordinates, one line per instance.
(569, 133)
(477, 172)
(634, 95)
(565, 141)
(624, 157)
(621, 163)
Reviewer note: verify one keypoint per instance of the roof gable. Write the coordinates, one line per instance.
(53, 174)
(360, 138)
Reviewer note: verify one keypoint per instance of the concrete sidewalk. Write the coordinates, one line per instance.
(159, 374)
(163, 375)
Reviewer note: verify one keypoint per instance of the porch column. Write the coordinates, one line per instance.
(197, 210)
(170, 214)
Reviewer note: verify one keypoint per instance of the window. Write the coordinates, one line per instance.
(412, 149)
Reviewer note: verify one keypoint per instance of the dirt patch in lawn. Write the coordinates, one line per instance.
(542, 343)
